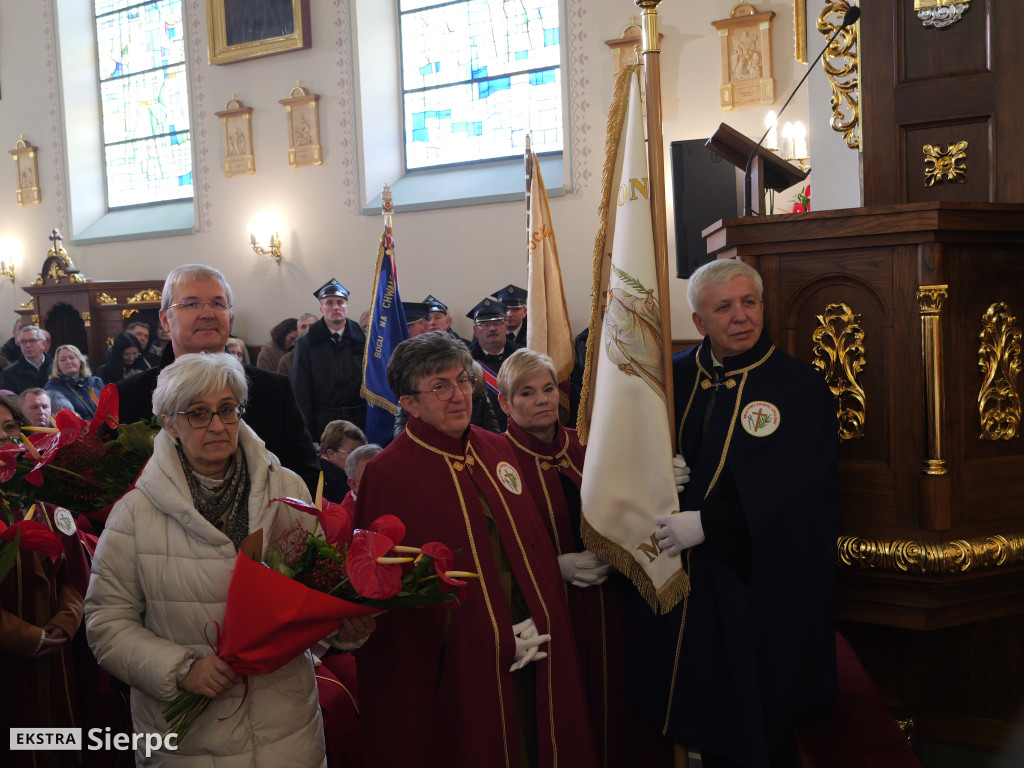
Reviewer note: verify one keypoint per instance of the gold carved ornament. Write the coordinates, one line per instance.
(87, 319)
(106, 300)
(839, 354)
(999, 362)
(922, 557)
(126, 313)
(841, 66)
(145, 295)
(941, 163)
(30, 304)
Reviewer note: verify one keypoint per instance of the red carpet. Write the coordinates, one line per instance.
(859, 731)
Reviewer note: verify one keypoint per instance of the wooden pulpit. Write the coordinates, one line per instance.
(913, 314)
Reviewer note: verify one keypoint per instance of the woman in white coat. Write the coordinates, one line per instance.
(161, 574)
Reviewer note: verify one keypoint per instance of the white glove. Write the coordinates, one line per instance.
(681, 531)
(527, 641)
(680, 471)
(583, 569)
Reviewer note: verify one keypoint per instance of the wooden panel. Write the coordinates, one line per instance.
(978, 184)
(931, 53)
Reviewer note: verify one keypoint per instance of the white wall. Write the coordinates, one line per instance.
(460, 255)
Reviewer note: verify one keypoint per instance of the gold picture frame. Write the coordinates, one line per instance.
(236, 34)
(239, 155)
(26, 168)
(800, 30)
(302, 109)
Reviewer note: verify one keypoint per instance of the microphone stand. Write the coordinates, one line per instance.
(849, 18)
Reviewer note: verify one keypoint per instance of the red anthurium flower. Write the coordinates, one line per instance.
(336, 522)
(799, 208)
(390, 526)
(34, 535)
(371, 579)
(106, 409)
(443, 559)
(9, 453)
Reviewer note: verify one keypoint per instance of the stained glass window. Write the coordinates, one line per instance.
(477, 76)
(144, 101)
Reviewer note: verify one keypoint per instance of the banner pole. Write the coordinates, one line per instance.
(656, 175)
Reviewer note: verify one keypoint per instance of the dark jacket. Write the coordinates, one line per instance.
(66, 392)
(114, 369)
(22, 375)
(327, 376)
(11, 350)
(493, 363)
(271, 411)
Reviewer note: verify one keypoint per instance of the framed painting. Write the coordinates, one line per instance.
(242, 29)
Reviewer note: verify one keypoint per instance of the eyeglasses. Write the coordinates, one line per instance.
(201, 417)
(489, 323)
(12, 428)
(446, 390)
(191, 305)
(33, 340)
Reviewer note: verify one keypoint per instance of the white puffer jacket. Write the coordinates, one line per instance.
(159, 580)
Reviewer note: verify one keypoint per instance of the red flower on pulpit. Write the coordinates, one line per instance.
(803, 200)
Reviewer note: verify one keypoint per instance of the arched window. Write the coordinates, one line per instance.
(477, 76)
(143, 91)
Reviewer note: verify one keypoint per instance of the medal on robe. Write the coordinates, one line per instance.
(65, 522)
(509, 477)
(760, 418)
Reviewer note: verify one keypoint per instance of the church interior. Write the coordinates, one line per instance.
(899, 278)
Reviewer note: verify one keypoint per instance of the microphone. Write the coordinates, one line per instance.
(849, 18)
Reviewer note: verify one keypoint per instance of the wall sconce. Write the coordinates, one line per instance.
(263, 234)
(11, 248)
(273, 250)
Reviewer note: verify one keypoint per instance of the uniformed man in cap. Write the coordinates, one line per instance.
(440, 318)
(328, 366)
(491, 347)
(416, 317)
(513, 298)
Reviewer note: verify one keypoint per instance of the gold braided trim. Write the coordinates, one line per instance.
(351, 698)
(728, 437)
(926, 557)
(613, 133)
(659, 600)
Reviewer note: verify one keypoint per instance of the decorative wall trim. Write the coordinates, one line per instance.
(56, 124)
(196, 25)
(932, 300)
(921, 557)
(348, 153)
(578, 90)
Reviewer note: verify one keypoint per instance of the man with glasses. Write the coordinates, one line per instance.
(33, 369)
(195, 311)
(328, 369)
(491, 347)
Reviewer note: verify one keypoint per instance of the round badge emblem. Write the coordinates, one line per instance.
(65, 522)
(509, 477)
(760, 418)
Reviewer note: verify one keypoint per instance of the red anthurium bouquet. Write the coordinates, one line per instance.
(25, 534)
(803, 200)
(279, 608)
(75, 465)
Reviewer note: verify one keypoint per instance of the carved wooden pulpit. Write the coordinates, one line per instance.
(76, 310)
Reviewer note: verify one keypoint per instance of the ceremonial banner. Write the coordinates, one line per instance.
(627, 479)
(387, 329)
(548, 328)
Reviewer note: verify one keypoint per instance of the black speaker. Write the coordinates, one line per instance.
(705, 188)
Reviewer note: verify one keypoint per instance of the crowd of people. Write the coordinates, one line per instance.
(550, 658)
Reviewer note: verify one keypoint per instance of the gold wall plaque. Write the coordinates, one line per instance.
(746, 57)
(941, 163)
(302, 109)
(238, 149)
(922, 557)
(999, 362)
(932, 299)
(841, 66)
(26, 168)
(839, 354)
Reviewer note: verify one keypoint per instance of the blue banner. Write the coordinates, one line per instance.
(387, 329)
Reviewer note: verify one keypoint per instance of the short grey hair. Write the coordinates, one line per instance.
(191, 377)
(362, 453)
(33, 329)
(425, 355)
(718, 273)
(521, 365)
(186, 273)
